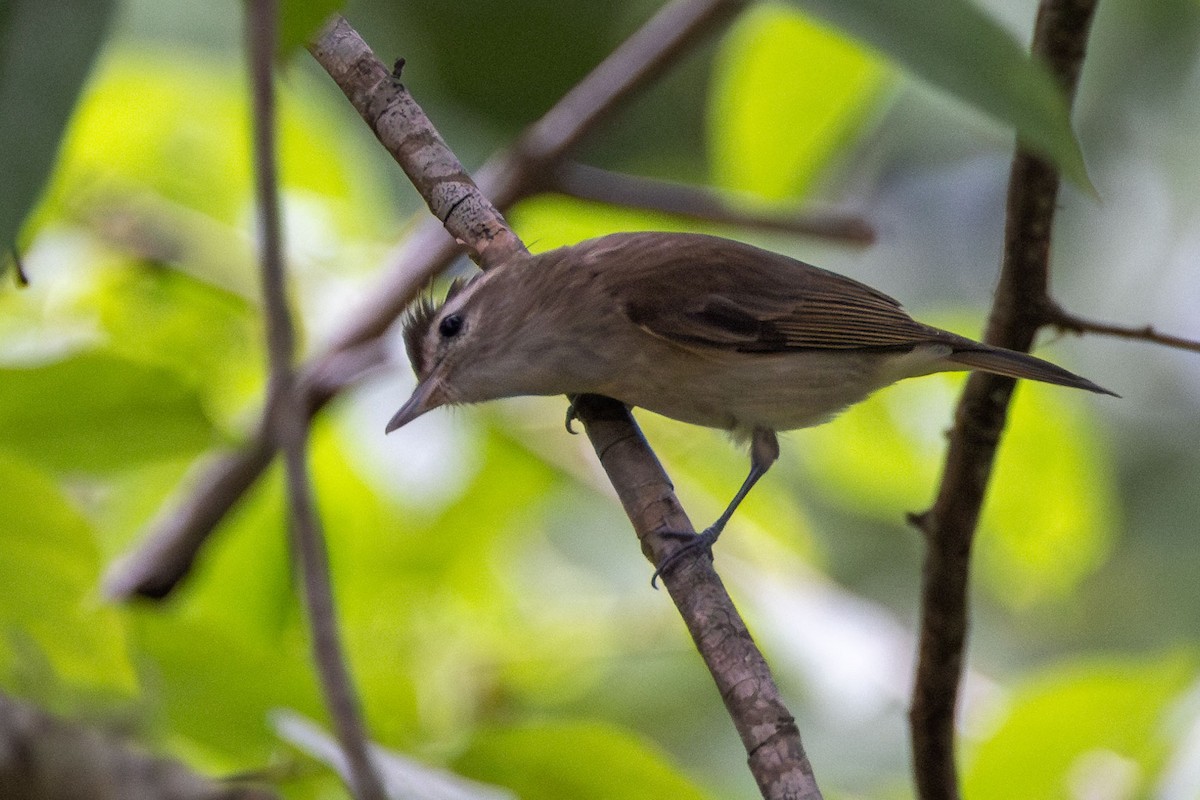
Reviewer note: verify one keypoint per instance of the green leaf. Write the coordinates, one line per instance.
(161, 316)
(1048, 519)
(49, 568)
(955, 46)
(576, 760)
(95, 412)
(787, 94)
(300, 19)
(213, 688)
(881, 457)
(1090, 725)
(547, 221)
(174, 141)
(46, 53)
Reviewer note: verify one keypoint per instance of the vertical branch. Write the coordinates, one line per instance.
(1020, 308)
(288, 418)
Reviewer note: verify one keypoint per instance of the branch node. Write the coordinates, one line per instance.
(19, 275)
(919, 520)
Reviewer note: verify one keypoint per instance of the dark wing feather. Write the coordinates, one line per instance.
(702, 290)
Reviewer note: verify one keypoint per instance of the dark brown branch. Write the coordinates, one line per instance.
(701, 203)
(768, 731)
(175, 537)
(1065, 321)
(288, 420)
(46, 758)
(949, 525)
(390, 111)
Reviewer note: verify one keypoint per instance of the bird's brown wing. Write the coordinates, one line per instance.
(701, 290)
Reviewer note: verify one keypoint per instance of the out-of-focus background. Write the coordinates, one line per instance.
(496, 607)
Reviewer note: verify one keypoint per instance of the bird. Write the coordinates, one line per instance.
(698, 328)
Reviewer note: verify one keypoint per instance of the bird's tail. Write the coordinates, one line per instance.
(1022, 365)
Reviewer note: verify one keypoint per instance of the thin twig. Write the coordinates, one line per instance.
(289, 420)
(701, 203)
(769, 733)
(1066, 321)
(949, 525)
(166, 553)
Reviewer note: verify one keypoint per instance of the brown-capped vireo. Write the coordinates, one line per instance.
(697, 328)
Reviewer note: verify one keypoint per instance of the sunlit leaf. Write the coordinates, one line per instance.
(46, 53)
(1077, 730)
(49, 568)
(577, 760)
(545, 222)
(138, 138)
(960, 49)
(787, 96)
(96, 412)
(881, 457)
(1048, 521)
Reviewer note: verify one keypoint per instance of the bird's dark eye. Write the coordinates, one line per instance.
(450, 326)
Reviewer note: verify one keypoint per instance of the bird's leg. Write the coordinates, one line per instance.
(764, 450)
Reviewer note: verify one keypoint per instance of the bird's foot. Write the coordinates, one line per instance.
(702, 541)
(572, 415)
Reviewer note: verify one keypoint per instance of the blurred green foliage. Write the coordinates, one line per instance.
(787, 96)
(58, 638)
(97, 412)
(493, 623)
(1091, 727)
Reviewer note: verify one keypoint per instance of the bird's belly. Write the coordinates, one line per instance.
(742, 391)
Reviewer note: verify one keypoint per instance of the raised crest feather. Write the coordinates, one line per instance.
(417, 320)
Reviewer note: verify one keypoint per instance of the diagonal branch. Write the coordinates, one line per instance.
(288, 421)
(768, 731)
(700, 203)
(949, 525)
(178, 533)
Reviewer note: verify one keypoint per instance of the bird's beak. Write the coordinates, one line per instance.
(425, 397)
